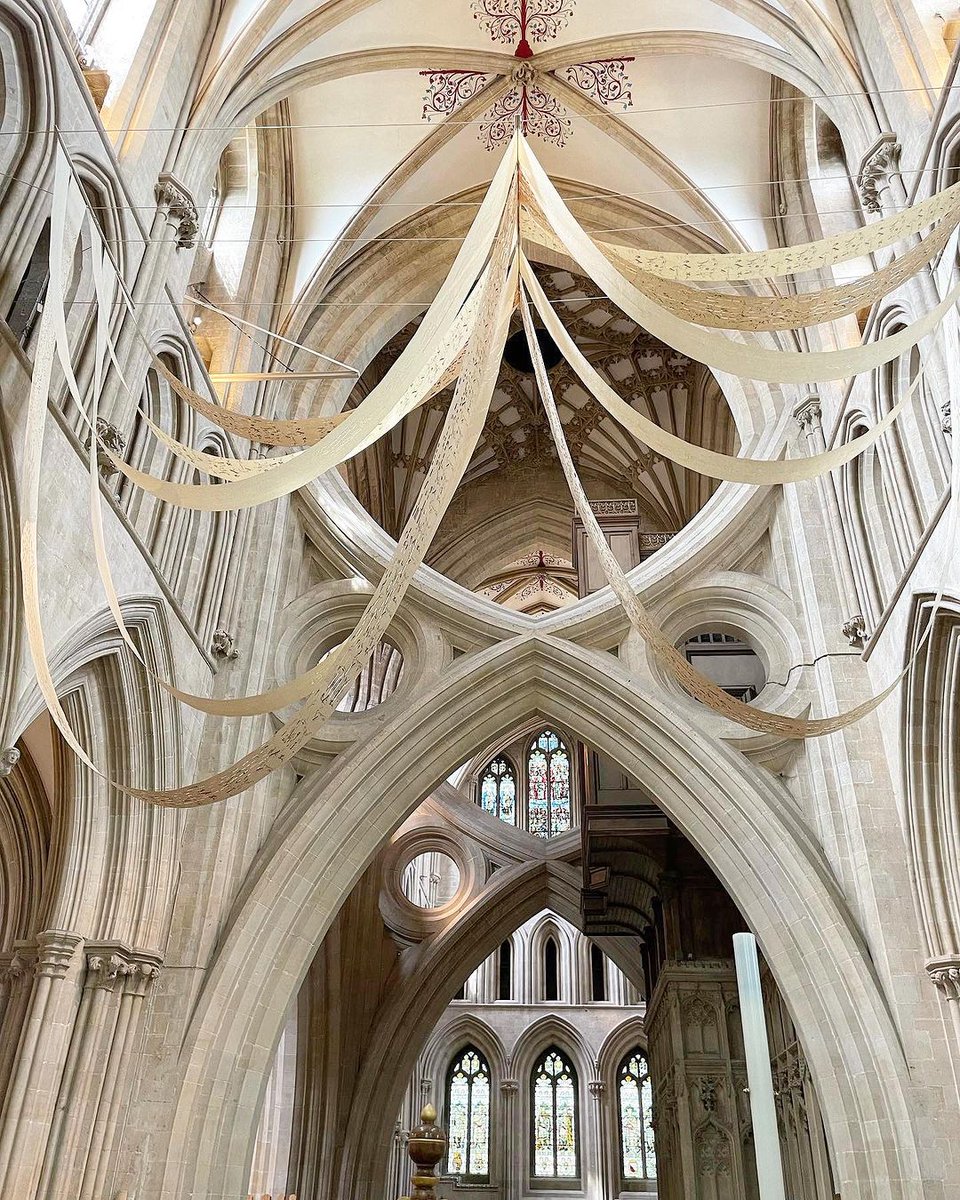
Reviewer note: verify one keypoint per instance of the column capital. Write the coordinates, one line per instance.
(178, 210)
(808, 413)
(596, 1088)
(855, 630)
(509, 1087)
(945, 974)
(110, 963)
(8, 760)
(55, 950)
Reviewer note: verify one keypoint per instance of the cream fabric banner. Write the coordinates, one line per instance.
(686, 454)
(666, 653)
(714, 350)
(458, 438)
(758, 314)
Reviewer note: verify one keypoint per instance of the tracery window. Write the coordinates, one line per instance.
(468, 1116)
(555, 1118)
(498, 791)
(638, 1159)
(548, 786)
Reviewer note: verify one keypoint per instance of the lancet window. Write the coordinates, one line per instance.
(638, 1159)
(498, 791)
(468, 1116)
(548, 785)
(555, 1118)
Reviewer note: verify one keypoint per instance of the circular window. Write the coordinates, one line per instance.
(729, 662)
(378, 680)
(430, 880)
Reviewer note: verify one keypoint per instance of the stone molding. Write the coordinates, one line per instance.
(855, 630)
(55, 950)
(809, 413)
(222, 645)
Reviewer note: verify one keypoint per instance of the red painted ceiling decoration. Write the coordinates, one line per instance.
(529, 103)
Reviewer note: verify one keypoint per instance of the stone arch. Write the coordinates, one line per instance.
(740, 819)
(465, 1028)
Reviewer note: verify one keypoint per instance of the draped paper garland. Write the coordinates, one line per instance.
(337, 671)
(464, 331)
(758, 314)
(665, 652)
(714, 350)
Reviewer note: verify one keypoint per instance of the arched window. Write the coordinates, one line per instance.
(498, 791)
(551, 970)
(505, 972)
(555, 1118)
(638, 1159)
(598, 974)
(548, 786)
(468, 1116)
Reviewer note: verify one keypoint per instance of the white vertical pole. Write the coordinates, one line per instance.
(766, 1136)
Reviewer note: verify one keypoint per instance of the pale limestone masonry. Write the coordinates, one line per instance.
(197, 1003)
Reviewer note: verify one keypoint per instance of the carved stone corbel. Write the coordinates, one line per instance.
(879, 164)
(855, 631)
(109, 437)
(946, 417)
(96, 78)
(179, 211)
(8, 760)
(222, 645)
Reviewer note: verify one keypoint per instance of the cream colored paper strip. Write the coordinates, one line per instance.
(760, 314)
(419, 367)
(686, 454)
(666, 653)
(715, 351)
(807, 256)
(454, 449)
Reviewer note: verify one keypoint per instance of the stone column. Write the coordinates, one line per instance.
(511, 1180)
(38, 1064)
(699, 1076)
(597, 1173)
(95, 1078)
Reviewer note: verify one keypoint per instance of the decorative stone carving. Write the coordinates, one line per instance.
(110, 963)
(879, 164)
(697, 1010)
(96, 78)
(713, 1150)
(855, 631)
(109, 437)
(222, 645)
(946, 417)
(809, 413)
(509, 1087)
(102, 971)
(707, 1089)
(596, 1088)
(179, 211)
(945, 975)
(8, 760)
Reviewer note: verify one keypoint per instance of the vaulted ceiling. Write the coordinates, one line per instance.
(694, 145)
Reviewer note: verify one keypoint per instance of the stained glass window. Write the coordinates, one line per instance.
(555, 1118)
(637, 1152)
(548, 786)
(498, 791)
(468, 1116)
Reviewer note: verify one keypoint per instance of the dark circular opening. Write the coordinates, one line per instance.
(517, 353)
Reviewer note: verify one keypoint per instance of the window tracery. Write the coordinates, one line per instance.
(498, 791)
(638, 1159)
(555, 1118)
(468, 1116)
(548, 786)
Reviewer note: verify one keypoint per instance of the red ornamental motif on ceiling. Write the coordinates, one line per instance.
(529, 103)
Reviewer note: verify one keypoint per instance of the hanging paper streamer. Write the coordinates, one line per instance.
(666, 654)
(758, 314)
(746, 360)
(687, 454)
